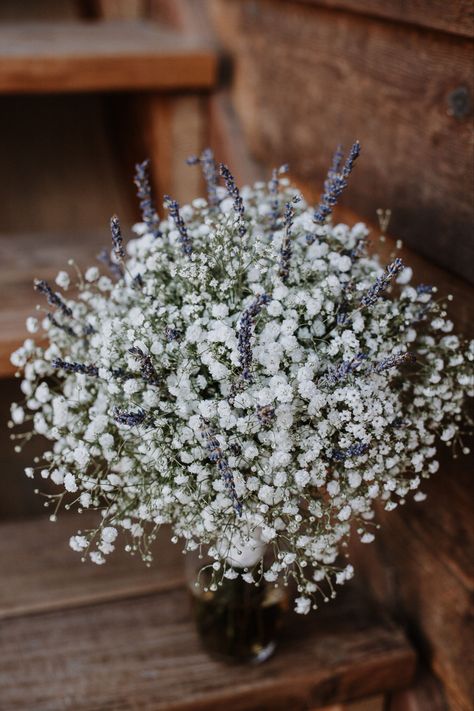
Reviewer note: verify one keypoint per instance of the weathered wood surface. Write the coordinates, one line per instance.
(40, 573)
(307, 78)
(101, 56)
(78, 636)
(25, 257)
(424, 694)
(455, 16)
(421, 565)
(58, 166)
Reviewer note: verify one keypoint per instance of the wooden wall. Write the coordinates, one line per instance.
(397, 76)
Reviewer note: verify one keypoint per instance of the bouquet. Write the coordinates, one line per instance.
(246, 372)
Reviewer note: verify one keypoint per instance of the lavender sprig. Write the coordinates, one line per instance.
(173, 208)
(147, 368)
(73, 367)
(64, 327)
(285, 249)
(337, 374)
(335, 183)
(52, 297)
(355, 450)
(115, 269)
(275, 203)
(172, 334)
(209, 171)
(117, 239)
(245, 334)
(234, 193)
(149, 214)
(217, 456)
(265, 414)
(130, 418)
(382, 282)
(393, 361)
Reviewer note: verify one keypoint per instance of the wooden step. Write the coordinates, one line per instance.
(45, 57)
(25, 257)
(121, 636)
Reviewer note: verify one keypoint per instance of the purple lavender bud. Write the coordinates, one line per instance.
(234, 193)
(335, 375)
(245, 334)
(75, 367)
(285, 249)
(147, 207)
(52, 297)
(335, 183)
(216, 456)
(67, 329)
(393, 361)
(424, 289)
(173, 208)
(131, 419)
(115, 269)
(354, 153)
(117, 239)
(275, 203)
(147, 368)
(209, 171)
(382, 282)
(355, 450)
(172, 334)
(266, 414)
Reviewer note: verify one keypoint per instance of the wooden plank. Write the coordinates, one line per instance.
(58, 166)
(27, 10)
(228, 142)
(455, 16)
(307, 78)
(424, 694)
(172, 129)
(143, 653)
(101, 56)
(36, 255)
(421, 566)
(35, 556)
(121, 9)
(374, 703)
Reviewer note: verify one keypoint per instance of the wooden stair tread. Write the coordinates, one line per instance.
(43, 57)
(126, 644)
(25, 257)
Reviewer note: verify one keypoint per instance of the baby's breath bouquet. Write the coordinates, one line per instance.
(247, 373)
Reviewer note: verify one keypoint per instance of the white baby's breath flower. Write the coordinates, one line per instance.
(240, 391)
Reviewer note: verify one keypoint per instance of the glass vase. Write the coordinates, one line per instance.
(237, 621)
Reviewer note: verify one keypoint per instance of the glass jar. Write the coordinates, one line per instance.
(236, 621)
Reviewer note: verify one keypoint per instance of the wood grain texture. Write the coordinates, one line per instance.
(58, 170)
(173, 128)
(35, 556)
(28, 256)
(455, 16)
(126, 645)
(422, 567)
(425, 693)
(101, 56)
(144, 654)
(307, 78)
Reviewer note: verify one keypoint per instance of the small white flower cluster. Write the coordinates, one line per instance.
(243, 374)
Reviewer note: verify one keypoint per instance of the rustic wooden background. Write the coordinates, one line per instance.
(295, 79)
(396, 75)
